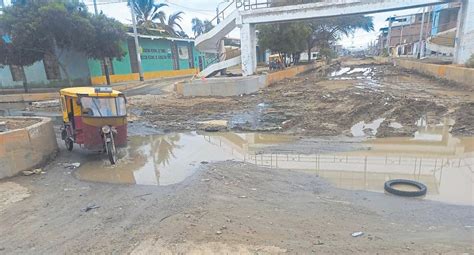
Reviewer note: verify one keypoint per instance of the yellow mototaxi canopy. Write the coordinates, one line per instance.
(90, 91)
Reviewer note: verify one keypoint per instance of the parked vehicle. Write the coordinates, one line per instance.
(94, 118)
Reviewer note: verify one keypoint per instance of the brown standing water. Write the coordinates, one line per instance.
(433, 156)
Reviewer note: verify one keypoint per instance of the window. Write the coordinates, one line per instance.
(103, 106)
(18, 73)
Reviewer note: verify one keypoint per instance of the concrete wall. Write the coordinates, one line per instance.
(27, 148)
(238, 85)
(457, 74)
(290, 72)
(74, 62)
(222, 86)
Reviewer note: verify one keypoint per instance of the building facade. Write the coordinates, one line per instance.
(160, 57)
(404, 34)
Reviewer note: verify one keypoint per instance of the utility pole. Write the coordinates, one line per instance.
(137, 46)
(401, 39)
(390, 22)
(106, 63)
(420, 42)
(95, 7)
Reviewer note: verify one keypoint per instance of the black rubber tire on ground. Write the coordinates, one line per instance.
(422, 189)
(112, 153)
(69, 144)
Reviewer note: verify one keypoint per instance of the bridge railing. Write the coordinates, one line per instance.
(253, 4)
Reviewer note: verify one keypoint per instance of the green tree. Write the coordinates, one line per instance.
(171, 25)
(42, 29)
(197, 27)
(200, 27)
(148, 13)
(325, 31)
(150, 16)
(284, 38)
(105, 41)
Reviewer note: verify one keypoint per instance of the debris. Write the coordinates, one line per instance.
(89, 207)
(31, 172)
(357, 234)
(318, 243)
(213, 129)
(3, 126)
(242, 196)
(204, 162)
(218, 232)
(146, 194)
(71, 165)
(27, 173)
(205, 180)
(37, 171)
(46, 104)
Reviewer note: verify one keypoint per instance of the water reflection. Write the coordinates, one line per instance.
(169, 159)
(433, 156)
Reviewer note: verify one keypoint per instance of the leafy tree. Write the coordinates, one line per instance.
(197, 27)
(150, 16)
(105, 41)
(148, 13)
(200, 27)
(41, 29)
(208, 26)
(182, 34)
(171, 25)
(286, 38)
(329, 30)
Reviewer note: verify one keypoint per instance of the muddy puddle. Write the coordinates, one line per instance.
(171, 158)
(444, 163)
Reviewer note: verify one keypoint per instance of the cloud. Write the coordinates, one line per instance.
(206, 9)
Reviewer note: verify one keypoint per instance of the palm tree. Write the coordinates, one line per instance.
(208, 26)
(172, 24)
(148, 13)
(198, 27)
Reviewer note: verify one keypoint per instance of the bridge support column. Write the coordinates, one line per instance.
(248, 45)
(464, 47)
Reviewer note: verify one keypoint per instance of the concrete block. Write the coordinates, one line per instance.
(452, 73)
(26, 148)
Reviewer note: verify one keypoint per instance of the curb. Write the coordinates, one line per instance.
(32, 97)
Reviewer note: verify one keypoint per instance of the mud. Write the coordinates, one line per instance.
(310, 177)
(311, 105)
(13, 124)
(433, 156)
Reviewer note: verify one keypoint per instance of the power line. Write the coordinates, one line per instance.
(190, 9)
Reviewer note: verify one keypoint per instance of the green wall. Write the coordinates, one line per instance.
(155, 55)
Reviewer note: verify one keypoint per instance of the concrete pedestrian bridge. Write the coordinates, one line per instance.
(249, 13)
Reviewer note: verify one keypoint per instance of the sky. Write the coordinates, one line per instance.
(206, 9)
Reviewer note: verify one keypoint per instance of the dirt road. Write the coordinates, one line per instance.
(320, 105)
(304, 185)
(227, 207)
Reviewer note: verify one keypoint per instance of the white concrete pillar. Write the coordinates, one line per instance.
(465, 34)
(248, 45)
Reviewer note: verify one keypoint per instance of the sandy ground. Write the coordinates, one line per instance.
(237, 208)
(320, 105)
(227, 207)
